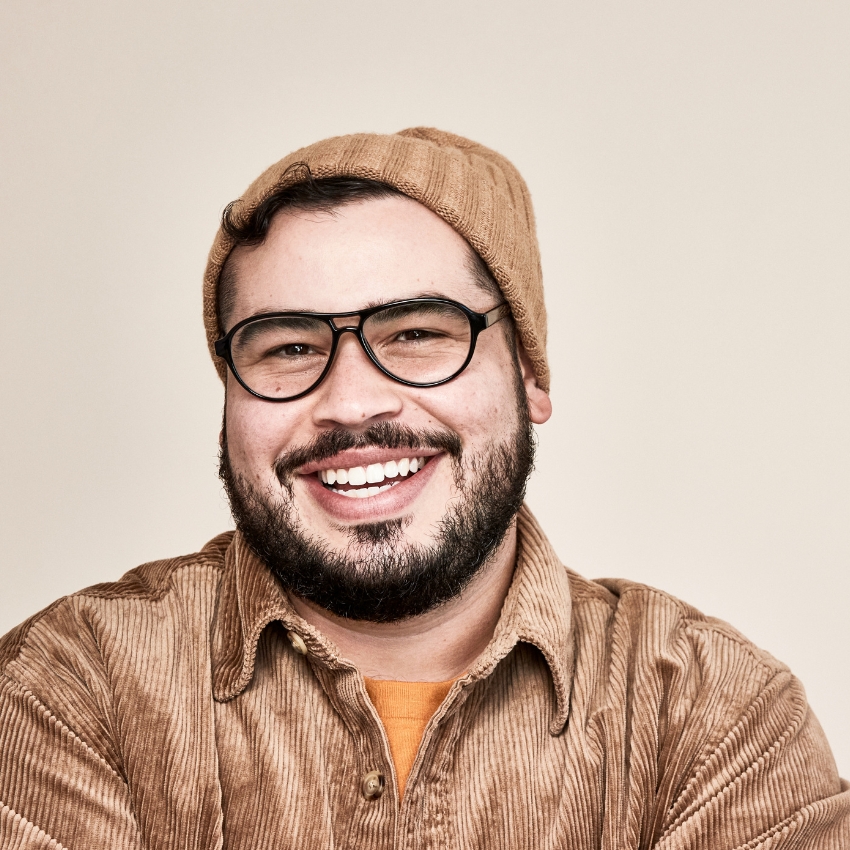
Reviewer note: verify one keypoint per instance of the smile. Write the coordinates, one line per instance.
(361, 482)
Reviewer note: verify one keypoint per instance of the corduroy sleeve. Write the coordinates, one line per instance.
(56, 788)
(770, 784)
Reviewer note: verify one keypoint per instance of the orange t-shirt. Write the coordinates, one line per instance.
(405, 709)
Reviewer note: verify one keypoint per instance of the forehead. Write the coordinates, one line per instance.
(362, 253)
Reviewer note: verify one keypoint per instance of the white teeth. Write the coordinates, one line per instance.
(364, 492)
(374, 473)
(357, 476)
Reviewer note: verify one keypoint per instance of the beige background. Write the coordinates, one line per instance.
(689, 164)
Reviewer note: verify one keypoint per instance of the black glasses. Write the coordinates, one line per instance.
(420, 342)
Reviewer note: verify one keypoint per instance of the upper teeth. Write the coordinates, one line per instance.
(374, 473)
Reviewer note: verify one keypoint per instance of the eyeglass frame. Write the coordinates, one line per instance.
(478, 322)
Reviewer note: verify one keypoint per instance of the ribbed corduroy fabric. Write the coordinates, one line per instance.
(476, 190)
(169, 710)
(405, 709)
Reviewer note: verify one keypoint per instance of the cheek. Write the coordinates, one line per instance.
(257, 432)
(480, 407)
(488, 396)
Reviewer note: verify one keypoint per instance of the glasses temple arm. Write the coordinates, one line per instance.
(497, 314)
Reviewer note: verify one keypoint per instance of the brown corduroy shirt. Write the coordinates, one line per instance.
(169, 710)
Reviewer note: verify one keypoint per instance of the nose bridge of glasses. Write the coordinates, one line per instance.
(343, 323)
(355, 331)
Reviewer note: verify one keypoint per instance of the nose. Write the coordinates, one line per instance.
(355, 393)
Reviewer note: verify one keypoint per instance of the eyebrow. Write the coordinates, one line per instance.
(296, 323)
(379, 302)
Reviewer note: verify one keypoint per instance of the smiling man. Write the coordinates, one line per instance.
(387, 653)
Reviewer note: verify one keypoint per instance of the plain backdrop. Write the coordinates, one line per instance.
(689, 166)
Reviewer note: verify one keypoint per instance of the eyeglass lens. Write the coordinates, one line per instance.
(421, 343)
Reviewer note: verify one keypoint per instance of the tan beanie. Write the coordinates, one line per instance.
(477, 191)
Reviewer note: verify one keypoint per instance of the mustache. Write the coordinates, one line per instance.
(384, 435)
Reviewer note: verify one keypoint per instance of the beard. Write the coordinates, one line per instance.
(379, 577)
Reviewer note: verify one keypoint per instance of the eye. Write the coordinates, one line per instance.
(293, 349)
(414, 334)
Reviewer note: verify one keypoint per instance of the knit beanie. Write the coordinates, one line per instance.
(476, 190)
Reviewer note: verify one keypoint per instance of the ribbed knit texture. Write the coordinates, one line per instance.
(476, 190)
(405, 709)
(169, 710)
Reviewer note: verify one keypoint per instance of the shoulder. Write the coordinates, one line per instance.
(633, 608)
(645, 651)
(669, 672)
(74, 620)
(710, 724)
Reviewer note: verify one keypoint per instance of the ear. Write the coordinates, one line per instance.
(539, 403)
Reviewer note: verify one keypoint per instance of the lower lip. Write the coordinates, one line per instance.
(387, 505)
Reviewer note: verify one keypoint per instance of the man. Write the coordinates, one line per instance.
(387, 652)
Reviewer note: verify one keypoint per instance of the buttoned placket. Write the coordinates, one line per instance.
(422, 817)
(417, 820)
(372, 788)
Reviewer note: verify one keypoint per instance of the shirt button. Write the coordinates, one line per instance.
(297, 643)
(372, 785)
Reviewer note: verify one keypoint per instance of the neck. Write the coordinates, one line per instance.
(433, 647)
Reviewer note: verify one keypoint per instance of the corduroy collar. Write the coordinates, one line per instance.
(537, 611)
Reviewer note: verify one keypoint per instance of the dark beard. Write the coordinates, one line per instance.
(387, 584)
